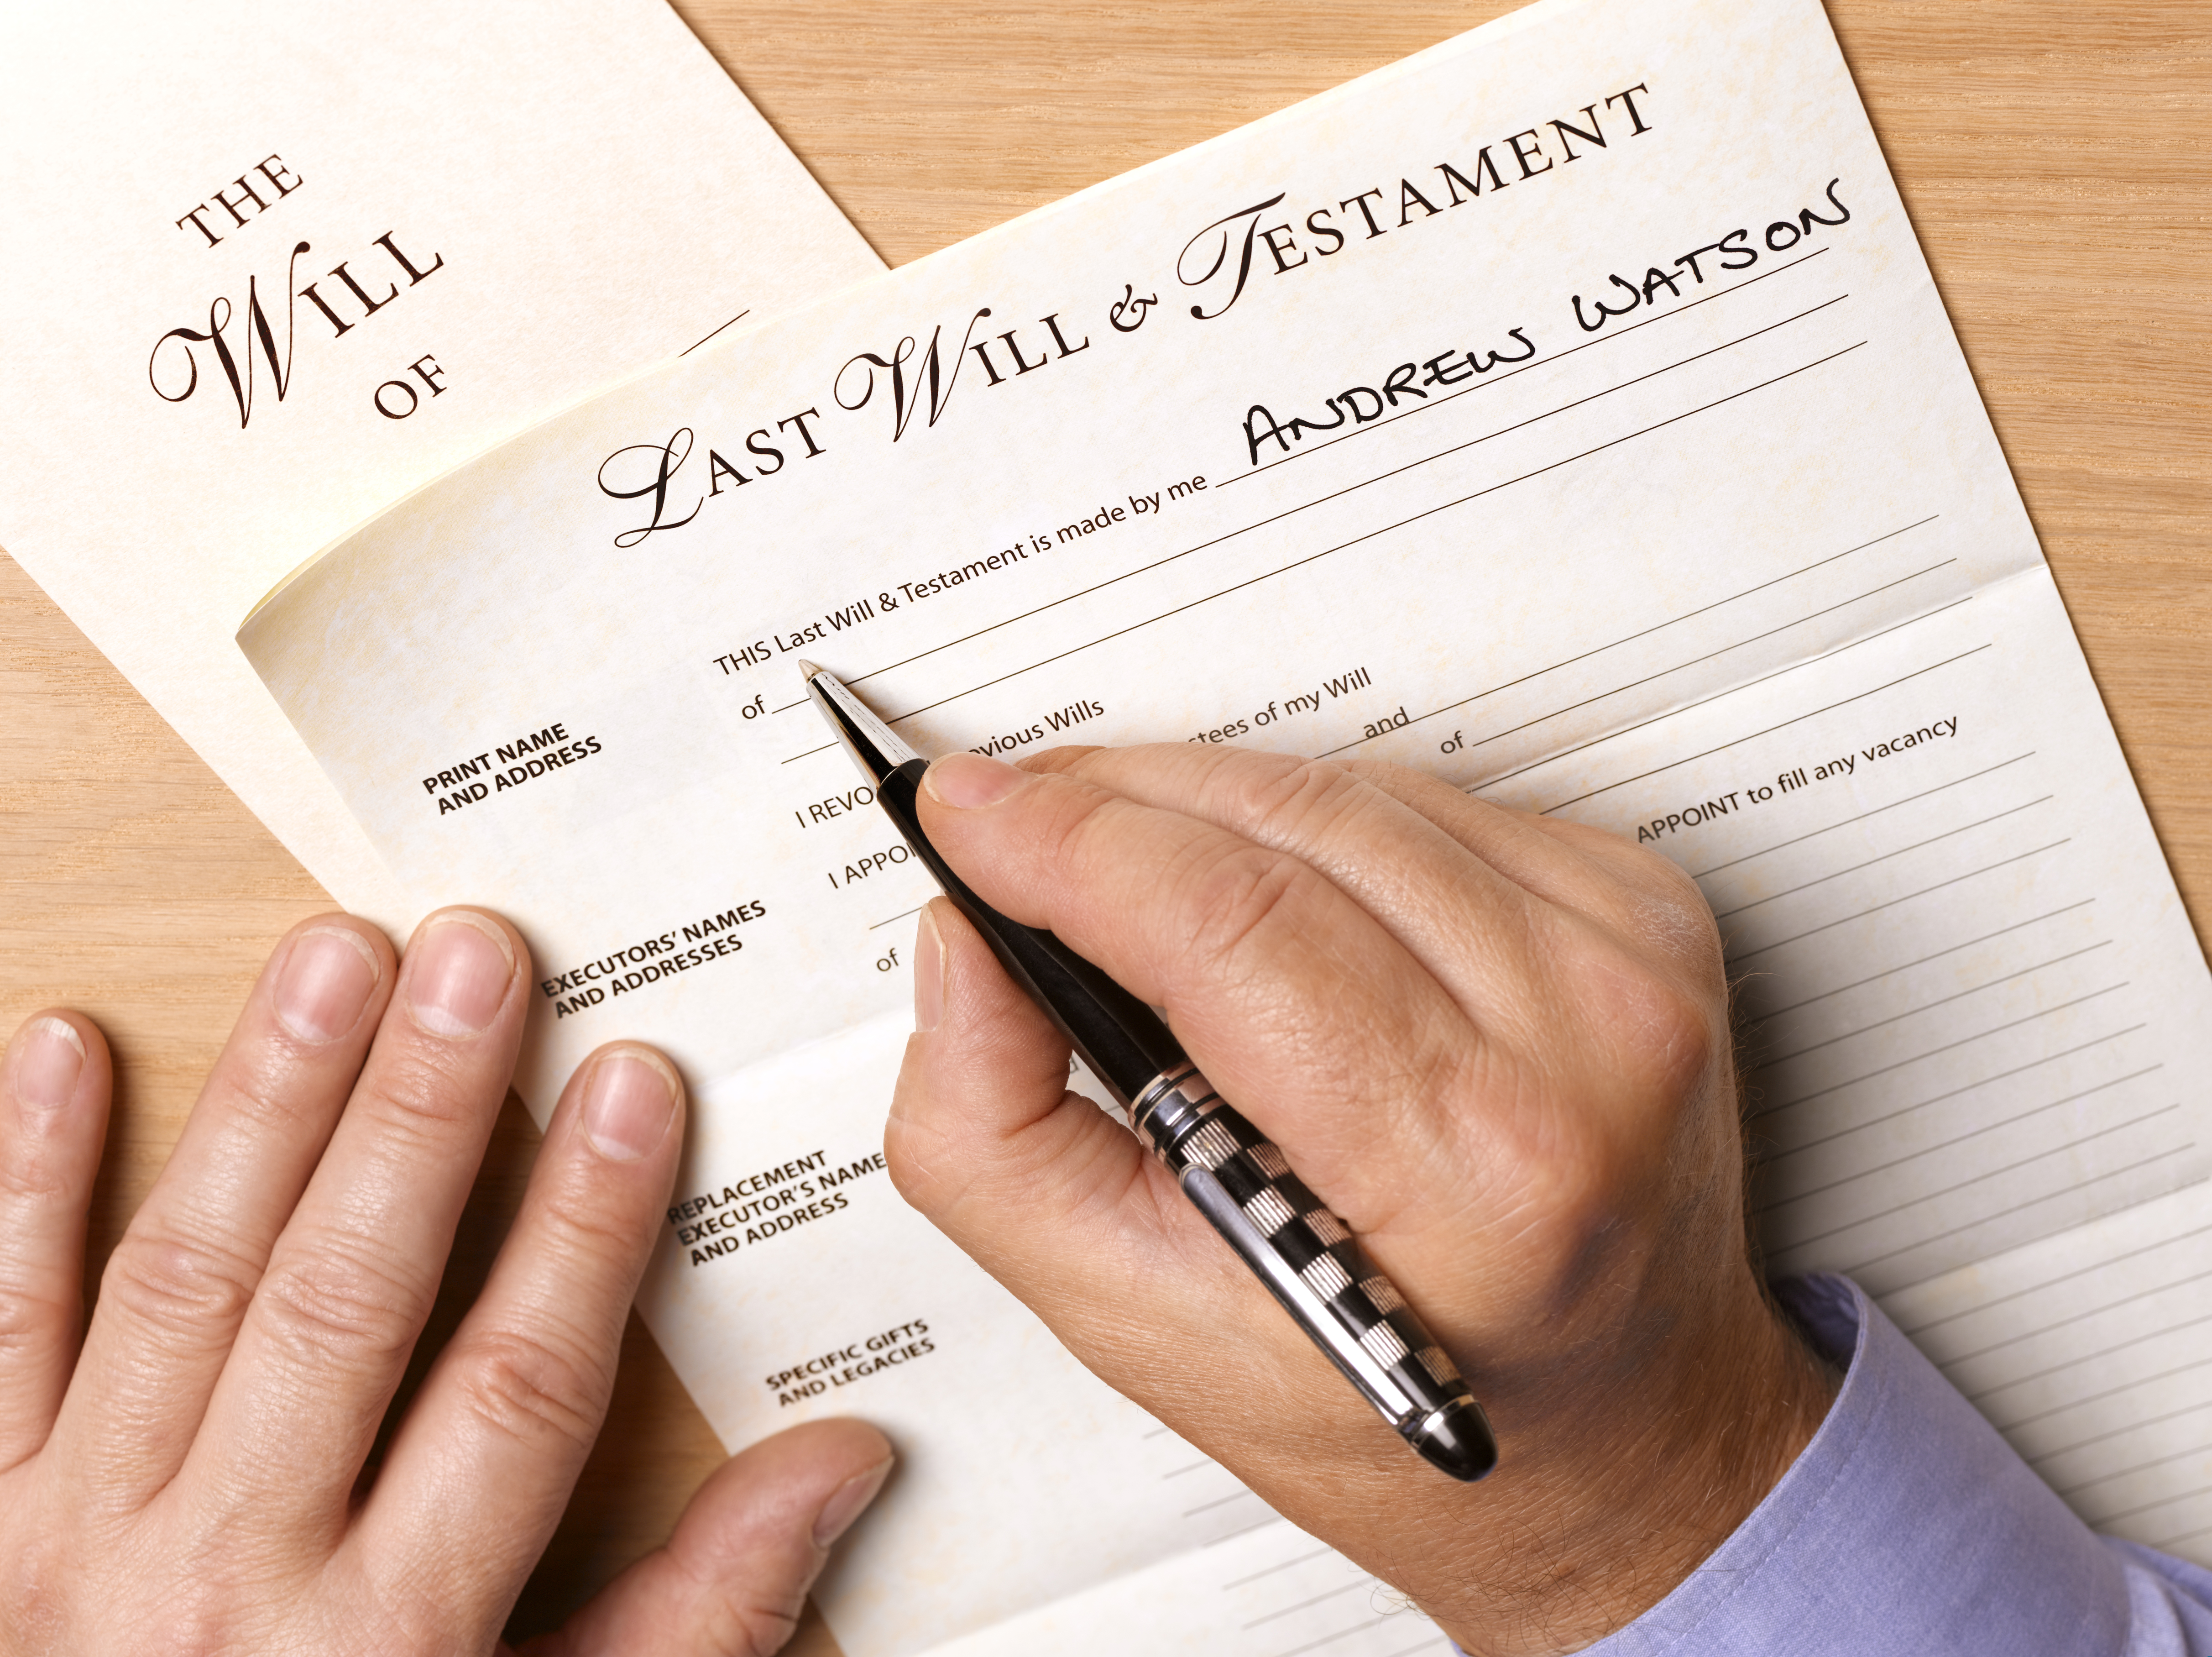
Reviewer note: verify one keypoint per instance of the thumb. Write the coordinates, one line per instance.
(732, 1578)
(985, 1140)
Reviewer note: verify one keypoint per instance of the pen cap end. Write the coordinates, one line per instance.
(1457, 1439)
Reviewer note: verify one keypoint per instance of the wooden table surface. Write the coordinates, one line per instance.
(2055, 160)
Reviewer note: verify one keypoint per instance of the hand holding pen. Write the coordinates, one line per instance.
(1233, 1174)
(1496, 1045)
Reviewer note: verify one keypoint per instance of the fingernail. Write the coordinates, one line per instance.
(970, 780)
(325, 982)
(628, 1103)
(47, 1064)
(459, 971)
(928, 974)
(848, 1501)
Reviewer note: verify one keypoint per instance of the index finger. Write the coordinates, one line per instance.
(176, 1288)
(1296, 1002)
(53, 1113)
(1454, 885)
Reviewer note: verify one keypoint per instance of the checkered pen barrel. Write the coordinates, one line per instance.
(1242, 1185)
(1314, 1265)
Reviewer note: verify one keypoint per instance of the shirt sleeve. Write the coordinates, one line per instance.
(1909, 1524)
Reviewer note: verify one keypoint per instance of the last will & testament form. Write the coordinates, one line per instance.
(1566, 410)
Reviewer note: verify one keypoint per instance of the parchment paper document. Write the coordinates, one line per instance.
(269, 266)
(1567, 411)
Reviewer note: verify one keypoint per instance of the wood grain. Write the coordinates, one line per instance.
(2054, 156)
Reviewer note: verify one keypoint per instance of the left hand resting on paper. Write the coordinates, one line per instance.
(188, 1479)
(1497, 1045)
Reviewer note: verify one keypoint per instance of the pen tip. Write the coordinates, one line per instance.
(807, 669)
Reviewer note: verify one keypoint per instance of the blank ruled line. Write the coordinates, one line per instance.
(1551, 667)
(2166, 1155)
(1306, 1605)
(1331, 1639)
(1649, 678)
(1919, 1151)
(1246, 1530)
(1358, 541)
(1930, 1006)
(1754, 735)
(2139, 1467)
(2168, 1542)
(1837, 874)
(2096, 1398)
(1245, 1582)
(1219, 1502)
(1658, 627)
(1845, 822)
(1907, 967)
(2038, 1287)
(1546, 363)
(2197, 1407)
(2071, 1147)
(1968, 1088)
(1892, 1116)
(2163, 1502)
(1192, 1468)
(1994, 1030)
(2101, 1354)
(1157, 1431)
(2001, 862)
(1425, 1645)
(2100, 1307)
(901, 916)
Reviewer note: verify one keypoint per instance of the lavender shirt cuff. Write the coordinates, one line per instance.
(1908, 1525)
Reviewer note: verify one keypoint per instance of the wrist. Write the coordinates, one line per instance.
(1627, 1487)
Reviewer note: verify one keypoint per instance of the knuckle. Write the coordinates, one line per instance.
(31, 1180)
(1669, 1034)
(53, 1600)
(419, 1099)
(337, 1302)
(1666, 910)
(577, 1227)
(1660, 1037)
(261, 1094)
(1655, 1025)
(31, 1322)
(1229, 892)
(1678, 900)
(742, 1629)
(208, 1606)
(200, 1627)
(535, 1389)
(36, 1574)
(1283, 793)
(170, 1279)
(931, 1163)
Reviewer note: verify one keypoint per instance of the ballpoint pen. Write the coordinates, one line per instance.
(1307, 1257)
